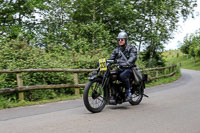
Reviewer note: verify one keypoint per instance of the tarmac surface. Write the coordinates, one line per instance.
(170, 108)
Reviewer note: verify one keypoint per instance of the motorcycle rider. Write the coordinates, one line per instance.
(125, 69)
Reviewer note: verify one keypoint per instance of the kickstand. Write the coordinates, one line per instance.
(145, 95)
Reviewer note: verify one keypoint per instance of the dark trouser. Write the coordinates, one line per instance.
(125, 76)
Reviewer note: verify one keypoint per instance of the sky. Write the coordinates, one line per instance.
(187, 27)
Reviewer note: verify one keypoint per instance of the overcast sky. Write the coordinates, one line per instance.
(187, 27)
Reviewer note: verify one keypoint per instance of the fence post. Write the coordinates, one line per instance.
(149, 76)
(165, 71)
(156, 75)
(174, 68)
(20, 84)
(77, 92)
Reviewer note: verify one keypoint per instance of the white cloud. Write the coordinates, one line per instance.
(190, 26)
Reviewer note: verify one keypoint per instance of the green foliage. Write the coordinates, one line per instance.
(19, 16)
(153, 59)
(185, 48)
(191, 44)
(9, 104)
(19, 55)
(183, 60)
(3, 103)
(85, 24)
(165, 80)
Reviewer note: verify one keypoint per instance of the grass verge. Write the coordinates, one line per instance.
(11, 104)
(164, 80)
(177, 57)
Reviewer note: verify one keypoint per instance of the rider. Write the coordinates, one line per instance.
(125, 71)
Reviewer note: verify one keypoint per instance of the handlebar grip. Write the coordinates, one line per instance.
(110, 61)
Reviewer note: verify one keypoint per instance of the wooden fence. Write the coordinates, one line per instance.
(153, 73)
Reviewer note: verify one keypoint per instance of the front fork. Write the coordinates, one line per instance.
(105, 84)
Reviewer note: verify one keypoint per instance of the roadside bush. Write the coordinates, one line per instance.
(19, 55)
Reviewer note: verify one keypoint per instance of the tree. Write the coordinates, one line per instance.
(191, 44)
(93, 24)
(18, 17)
(162, 18)
(187, 42)
(52, 28)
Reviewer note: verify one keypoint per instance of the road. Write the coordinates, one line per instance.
(170, 108)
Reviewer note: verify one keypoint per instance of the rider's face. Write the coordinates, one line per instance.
(121, 41)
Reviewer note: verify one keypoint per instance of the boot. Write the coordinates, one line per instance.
(128, 95)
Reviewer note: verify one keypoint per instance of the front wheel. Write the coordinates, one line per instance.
(94, 96)
(137, 94)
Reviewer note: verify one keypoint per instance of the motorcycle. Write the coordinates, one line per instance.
(104, 87)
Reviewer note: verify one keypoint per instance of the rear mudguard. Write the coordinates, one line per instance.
(144, 85)
(145, 78)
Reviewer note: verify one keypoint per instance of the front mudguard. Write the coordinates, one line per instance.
(94, 77)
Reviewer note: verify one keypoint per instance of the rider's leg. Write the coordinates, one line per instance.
(125, 78)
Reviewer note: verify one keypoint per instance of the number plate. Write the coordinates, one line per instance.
(102, 64)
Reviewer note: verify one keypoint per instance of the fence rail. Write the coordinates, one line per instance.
(153, 74)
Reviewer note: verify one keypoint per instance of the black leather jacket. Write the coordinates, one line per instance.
(130, 52)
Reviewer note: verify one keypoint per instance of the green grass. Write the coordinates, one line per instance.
(11, 104)
(164, 80)
(190, 64)
(176, 57)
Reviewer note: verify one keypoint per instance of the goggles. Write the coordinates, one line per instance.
(121, 39)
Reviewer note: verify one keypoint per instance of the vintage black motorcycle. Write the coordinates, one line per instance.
(104, 84)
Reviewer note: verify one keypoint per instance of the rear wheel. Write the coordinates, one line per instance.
(137, 94)
(94, 96)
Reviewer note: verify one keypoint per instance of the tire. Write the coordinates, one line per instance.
(137, 94)
(93, 93)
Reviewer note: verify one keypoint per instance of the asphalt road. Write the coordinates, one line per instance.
(171, 108)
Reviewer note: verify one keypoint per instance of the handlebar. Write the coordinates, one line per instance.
(110, 61)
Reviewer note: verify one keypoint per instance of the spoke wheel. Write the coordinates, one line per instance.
(137, 95)
(94, 96)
